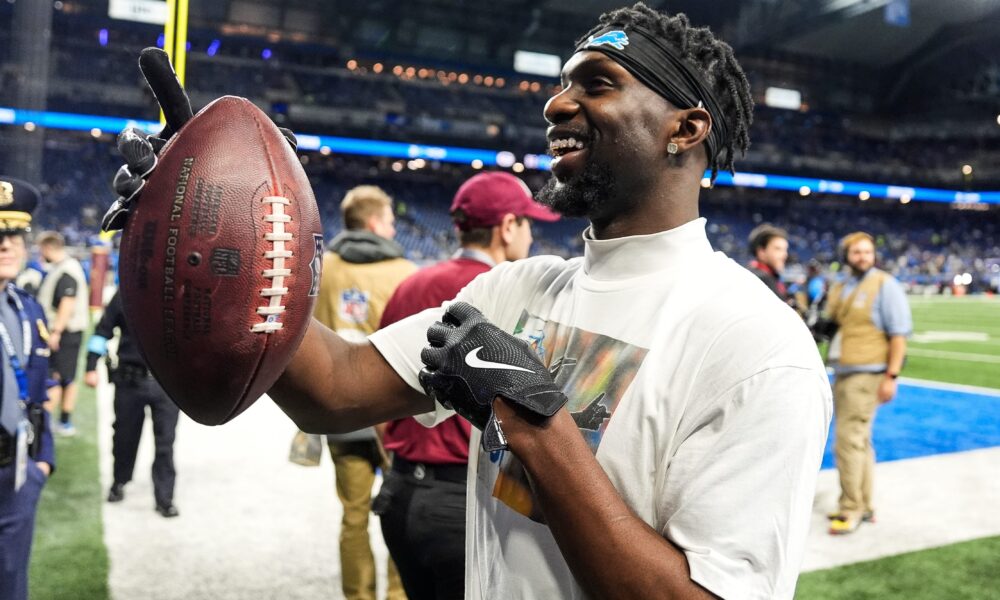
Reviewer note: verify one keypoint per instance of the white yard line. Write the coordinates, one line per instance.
(951, 387)
(252, 525)
(920, 503)
(983, 358)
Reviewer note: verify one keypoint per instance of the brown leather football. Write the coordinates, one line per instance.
(220, 261)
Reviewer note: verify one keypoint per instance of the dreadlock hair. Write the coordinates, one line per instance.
(715, 62)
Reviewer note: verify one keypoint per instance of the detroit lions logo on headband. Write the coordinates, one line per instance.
(616, 39)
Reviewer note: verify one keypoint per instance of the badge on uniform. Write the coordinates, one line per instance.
(43, 331)
(21, 454)
(353, 306)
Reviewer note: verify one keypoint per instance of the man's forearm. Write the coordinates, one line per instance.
(897, 353)
(333, 386)
(63, 314)
(612, 553)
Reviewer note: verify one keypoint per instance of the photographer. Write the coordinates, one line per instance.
(135, 389)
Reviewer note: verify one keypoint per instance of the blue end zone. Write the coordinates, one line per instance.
(922, 421)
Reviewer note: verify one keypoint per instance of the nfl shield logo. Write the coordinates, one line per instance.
(354, 306)
(316, 264)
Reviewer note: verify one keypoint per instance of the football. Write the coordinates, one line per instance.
(220, 261)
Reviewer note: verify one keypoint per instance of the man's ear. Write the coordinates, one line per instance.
(508, 225)
(689, 128)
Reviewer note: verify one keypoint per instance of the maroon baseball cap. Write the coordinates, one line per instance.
(485, 198)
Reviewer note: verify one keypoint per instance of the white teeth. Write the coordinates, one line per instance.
(564, 143)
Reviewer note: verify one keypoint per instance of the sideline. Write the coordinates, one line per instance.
(251, 524)
(920, 503)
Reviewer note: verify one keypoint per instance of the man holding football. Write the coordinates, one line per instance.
(645, 432)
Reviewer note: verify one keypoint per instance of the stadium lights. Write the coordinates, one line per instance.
(377, 67)
(518, 167)
(325, 151)
(966, 169)
(864, 195)
(477, 164)
(352, 64)
(804, 191)
(397, 166)
(29, 126)
(96, 132)
(998, 119)
(706, 182)
(459, 155)
(905, 199)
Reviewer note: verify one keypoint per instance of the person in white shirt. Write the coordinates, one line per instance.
(697, 407)
(653, 417)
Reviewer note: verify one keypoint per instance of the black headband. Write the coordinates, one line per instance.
(658, 66)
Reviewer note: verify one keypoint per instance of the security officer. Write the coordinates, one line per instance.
(27, 455)
(135, 389)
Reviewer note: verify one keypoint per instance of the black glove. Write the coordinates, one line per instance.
(470, 362)
(139, 149)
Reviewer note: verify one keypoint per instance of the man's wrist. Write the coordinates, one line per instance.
(892, 375)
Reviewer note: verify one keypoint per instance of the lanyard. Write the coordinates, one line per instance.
(8, 345)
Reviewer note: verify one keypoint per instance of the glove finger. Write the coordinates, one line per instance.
(159, 73)
(461, 312)
(433, 357)
(290, 137)
(137, 151)
(493, 436)
(126, 184)
(116, 216)
(437, 334)
(433, 384)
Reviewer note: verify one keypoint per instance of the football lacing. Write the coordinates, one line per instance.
(277, 273)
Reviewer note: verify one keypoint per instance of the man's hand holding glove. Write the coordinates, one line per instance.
(140, 150)
(470, 362)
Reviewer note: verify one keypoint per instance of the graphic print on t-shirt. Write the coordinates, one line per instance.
(593, 370)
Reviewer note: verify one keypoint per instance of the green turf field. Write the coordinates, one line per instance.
(956, 340)
(966, 571)
(68, 560)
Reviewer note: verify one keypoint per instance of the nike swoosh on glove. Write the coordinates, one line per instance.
(140, 150)
(470, 362)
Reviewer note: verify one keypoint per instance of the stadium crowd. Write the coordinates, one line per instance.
(922, 245)
(316, 89)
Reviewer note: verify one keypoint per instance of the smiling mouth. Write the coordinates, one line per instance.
(561, 146)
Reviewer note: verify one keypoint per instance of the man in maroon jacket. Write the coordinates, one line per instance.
(422, 502)
(769, 247)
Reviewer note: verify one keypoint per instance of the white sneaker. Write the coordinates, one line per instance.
(65, 429)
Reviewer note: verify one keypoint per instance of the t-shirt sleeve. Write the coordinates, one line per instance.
(740, 486)
(400, 343)
(894, 309)
(65, 287)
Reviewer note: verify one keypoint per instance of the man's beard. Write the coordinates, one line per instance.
(590, 194)
(856, 270)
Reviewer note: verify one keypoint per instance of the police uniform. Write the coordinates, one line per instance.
(135, 389)
(25, 436)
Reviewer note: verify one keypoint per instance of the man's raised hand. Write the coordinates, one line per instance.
(470, 362)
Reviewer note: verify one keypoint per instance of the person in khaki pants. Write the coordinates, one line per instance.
(361, 269)
(874, 320)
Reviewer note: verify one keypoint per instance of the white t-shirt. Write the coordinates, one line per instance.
(717, 399)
